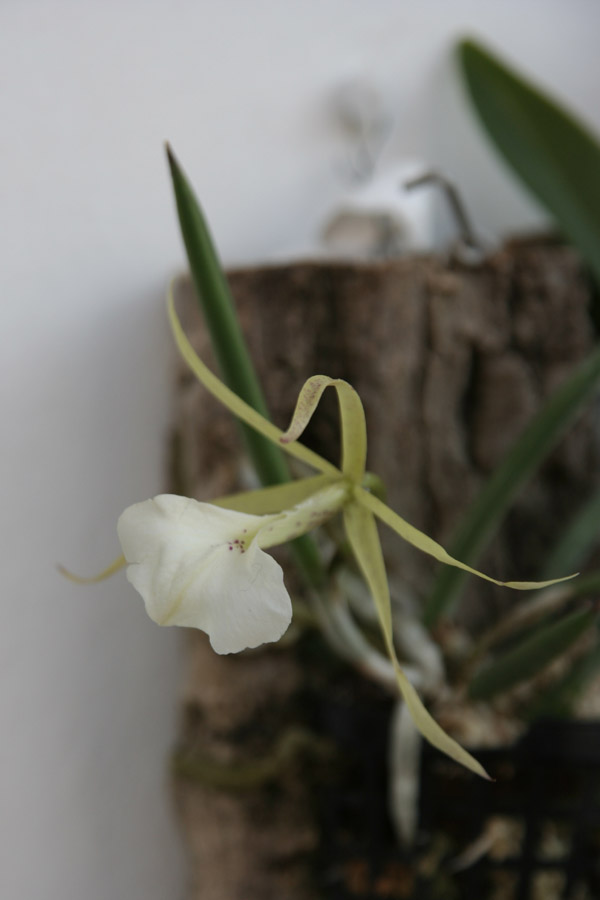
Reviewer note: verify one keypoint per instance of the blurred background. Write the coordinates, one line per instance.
(244, 92)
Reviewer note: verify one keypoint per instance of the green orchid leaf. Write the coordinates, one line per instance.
(558, 159)
(555, 156)
(275, 498)
(560, 699)
(219, 312)
(577, 541)
(233, 357)
(531, 448)
(235, 404)
(587, 585)
(352, 415)
(427, 545)
(528, 614)
(531, 655)
(361, 530)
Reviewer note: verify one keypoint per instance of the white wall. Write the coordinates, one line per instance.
(88, 239)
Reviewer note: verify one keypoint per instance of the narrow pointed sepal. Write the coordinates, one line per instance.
(275, 498)
(427, 545)
(242, 410)
(361, 530)
(352, 416)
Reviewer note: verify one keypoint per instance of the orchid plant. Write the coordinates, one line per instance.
(204, 565)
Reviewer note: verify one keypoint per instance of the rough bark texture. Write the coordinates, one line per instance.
(450, 363)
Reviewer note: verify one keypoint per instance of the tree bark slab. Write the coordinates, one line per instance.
(451, 363)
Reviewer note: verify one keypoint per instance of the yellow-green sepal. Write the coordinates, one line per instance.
(275, 498)
(427, 545)
(352, 416)
(361, 530)
(235, 404)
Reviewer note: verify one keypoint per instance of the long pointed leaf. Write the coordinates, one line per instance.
(230, 348)
(559, 700)
(217, 305)
(531, 655)
(555, 155)
(535, 443)
(578, 539)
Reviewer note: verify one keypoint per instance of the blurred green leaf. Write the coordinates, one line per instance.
(534, 444)
(586, 585)
(560, 161)
(553, 154)
(559, 701)
(531, 655)
(577, 541)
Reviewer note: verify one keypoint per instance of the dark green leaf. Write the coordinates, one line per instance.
(221, 320)
(553, 154)
(576, 542)
(559, 701)
(230, 348)
(531, 655)
(535, 443)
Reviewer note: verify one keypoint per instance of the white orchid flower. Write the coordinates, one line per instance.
(203, 565)
(197, 565)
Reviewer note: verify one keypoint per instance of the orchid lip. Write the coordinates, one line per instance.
(182, 560)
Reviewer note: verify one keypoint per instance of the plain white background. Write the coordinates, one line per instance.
(88, 240)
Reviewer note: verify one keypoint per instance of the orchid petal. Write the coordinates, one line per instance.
(274, 498)
(235, 404)
(352, 414)
(361, 530)
(115, 565)
(245, 601)
(200, 566)
(423, 542)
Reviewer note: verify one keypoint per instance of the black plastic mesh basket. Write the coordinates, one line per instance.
(545, 802)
